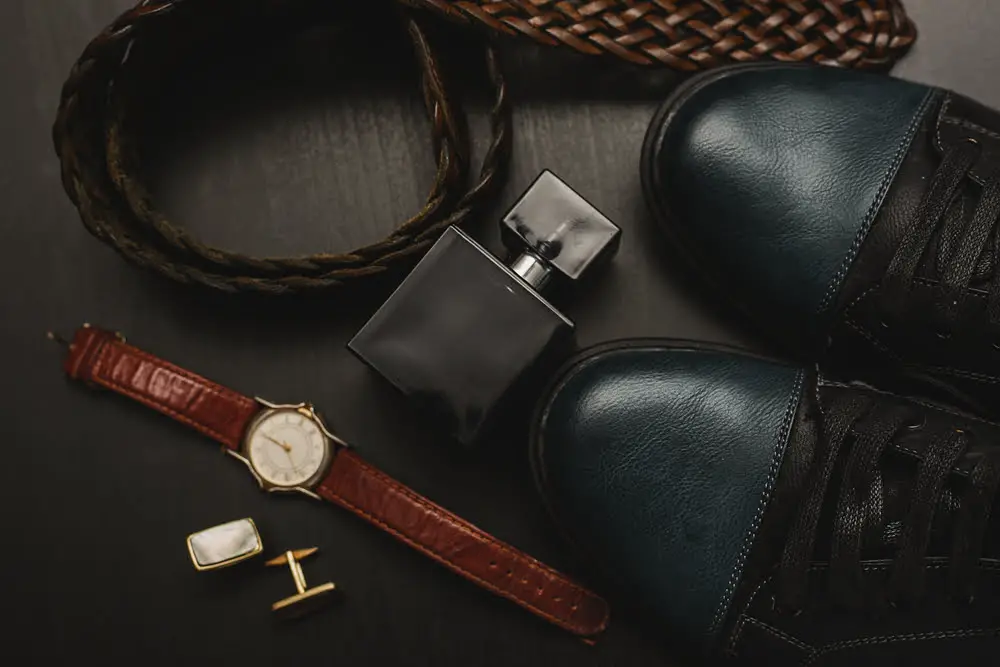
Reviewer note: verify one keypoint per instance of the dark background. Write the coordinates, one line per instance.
(320, 144)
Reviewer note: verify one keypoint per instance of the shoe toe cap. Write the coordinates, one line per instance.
(658, 462)
(769, 176)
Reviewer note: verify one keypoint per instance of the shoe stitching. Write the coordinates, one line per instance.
(918, 401)
(876, 204)
(939, 138)
(969, 125)
(988, 565)
(969, 375)
(894, 639)
(816, 397)
(949, 370)
(765, 497)
(744, 616)
(788, 639)
(849, 318)
(945, 119)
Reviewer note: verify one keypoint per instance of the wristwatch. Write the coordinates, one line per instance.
(288, 449)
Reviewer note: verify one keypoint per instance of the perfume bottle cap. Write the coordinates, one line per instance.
(556, 230)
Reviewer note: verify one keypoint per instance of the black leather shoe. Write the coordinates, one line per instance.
(845, 212)
(766, 514)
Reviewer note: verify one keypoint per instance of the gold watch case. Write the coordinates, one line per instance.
(330, 444)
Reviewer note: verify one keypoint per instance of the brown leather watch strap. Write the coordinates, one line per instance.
(104, 359)
(461, 547)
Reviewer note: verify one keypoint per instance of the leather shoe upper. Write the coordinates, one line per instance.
(770, 175)
(844, 212)
(648, 497)
(765, 513)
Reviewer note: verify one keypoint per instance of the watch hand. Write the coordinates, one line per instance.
(287, 448)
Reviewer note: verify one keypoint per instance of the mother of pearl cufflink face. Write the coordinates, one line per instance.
(224, 545)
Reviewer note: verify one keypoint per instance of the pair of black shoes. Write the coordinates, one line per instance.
(795, 514)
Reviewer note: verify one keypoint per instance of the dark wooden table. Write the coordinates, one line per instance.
(309, 150)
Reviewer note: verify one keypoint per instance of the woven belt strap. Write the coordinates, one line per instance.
(691, 35)
(100, 159)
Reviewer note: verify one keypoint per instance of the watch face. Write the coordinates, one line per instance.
(287, 448)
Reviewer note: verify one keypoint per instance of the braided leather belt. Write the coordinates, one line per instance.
(100, 158)
(691, 35)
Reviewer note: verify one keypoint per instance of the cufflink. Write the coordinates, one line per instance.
(224, 545)
(306, 599)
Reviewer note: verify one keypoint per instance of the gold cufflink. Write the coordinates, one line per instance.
(307, 599)
(224, 545)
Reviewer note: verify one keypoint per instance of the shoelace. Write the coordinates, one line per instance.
(960, 247)
(861, 429)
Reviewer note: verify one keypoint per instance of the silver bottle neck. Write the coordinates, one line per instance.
(533, 270)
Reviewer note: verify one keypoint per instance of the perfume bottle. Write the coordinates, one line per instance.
(464, 327)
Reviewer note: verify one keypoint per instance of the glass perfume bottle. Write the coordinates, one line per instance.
(463, 327)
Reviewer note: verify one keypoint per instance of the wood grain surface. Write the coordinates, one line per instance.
(294, 147)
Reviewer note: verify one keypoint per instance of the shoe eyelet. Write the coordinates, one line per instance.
(996, 345)
(943, 335)
(917, 425)
(884, 324)
(971, 140)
